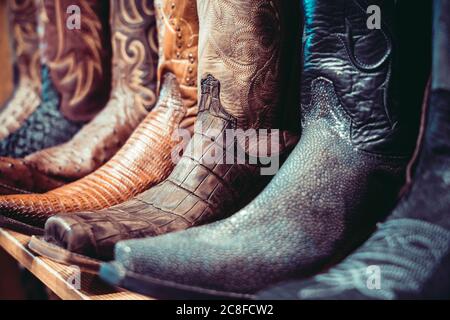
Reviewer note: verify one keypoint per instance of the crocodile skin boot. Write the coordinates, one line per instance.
(26, 97)
(343, 176)
(145, 159)
(75, 75)
(240, 60)
(408, 257)
(134, 41)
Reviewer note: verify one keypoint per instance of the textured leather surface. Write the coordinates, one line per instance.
(135, 50)
(79, 59)
(325, 194)
(352, 66)
(240, 92)
(145, 159)
(75, 76)
(26, 98)
(412, 248)
(142, 162)
(326, 197)
(17, 178)
(44, 128)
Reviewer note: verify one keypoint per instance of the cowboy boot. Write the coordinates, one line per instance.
(145, 159)
(409, 253)
(341, 178)
(240, 60)
(75, 75)
(26, 97)
(134, 41)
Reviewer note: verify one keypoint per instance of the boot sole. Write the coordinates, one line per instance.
(20, 227)
(60, 255)
(114, 274)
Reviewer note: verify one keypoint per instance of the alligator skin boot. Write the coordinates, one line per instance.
(145, 159)
(135, 50)
(343, 176)
(408, 257)
(75, 75)
(26, 96)
(240, 60)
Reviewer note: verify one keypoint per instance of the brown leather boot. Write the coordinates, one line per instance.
(26, 97)
(76, 61)
(145, 159)
(240, 50)
(135, 56)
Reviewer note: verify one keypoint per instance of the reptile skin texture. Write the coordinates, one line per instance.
(75, 76)
(238, 91)
(145, 159)
(135, 51)
(26, 96)
(408, 257)
(342, 177)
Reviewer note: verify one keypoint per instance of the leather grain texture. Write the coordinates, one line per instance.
(341, 179)
(145, 159)
(135, 56)
(78, 57)
(26, 96)
(241, 88)
(75, 75)
(408, 256)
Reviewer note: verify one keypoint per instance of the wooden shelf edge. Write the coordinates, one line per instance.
(55, 276)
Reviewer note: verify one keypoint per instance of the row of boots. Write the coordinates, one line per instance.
(117, 146)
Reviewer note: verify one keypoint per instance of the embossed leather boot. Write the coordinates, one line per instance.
(240, 60)
(145, 159)
(408, 257)
(26, 96)
(343, 176)
(134, 41)
(75, 75)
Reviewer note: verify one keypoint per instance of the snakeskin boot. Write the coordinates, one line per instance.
(134, 41)
(26, 96)
(343, 176)
(240, 46)
(408, 257)
(145, 159)
(75, 75)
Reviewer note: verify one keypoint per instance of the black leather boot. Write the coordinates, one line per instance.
(343, 176)
(408, 257)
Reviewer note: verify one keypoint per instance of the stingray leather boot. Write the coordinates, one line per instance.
(240, 60)
(26, 96)
(135, 56)
(76, 59)
(342, 177)
(408, 257)
(145, 159)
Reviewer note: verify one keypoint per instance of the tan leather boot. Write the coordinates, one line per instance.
(76, 63)
(26, 97)
(145, 159)
(135, 56)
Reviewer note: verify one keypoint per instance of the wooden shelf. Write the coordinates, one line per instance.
(55, 275)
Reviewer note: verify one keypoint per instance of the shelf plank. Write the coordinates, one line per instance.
(57, 276)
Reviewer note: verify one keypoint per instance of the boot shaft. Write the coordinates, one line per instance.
(23, 24)
(178, 27)
(343, 43)
(436, 143)
(135, 50)
(76, 48)
(441, 45)
(240, 45)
